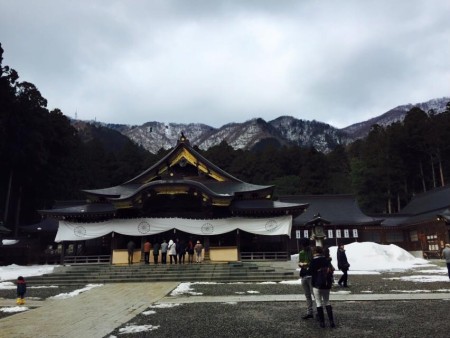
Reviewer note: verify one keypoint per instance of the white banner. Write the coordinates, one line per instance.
(70, 231)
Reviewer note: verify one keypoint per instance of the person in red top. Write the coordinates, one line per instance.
(21, 290)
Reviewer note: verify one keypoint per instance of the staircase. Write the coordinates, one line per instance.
(205, 272)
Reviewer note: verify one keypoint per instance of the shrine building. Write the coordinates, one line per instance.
(183, 196)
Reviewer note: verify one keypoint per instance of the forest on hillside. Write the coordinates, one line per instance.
(45, 159)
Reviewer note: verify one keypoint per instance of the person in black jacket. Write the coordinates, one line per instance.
(343, 265)
(318, 264)
(130, 248)
(155, 252)
(181, 251)
(304, 258)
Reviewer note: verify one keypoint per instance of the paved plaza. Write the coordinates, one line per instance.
(91, 314)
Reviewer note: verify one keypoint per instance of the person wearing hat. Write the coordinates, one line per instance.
(446, 256)
(198, 252)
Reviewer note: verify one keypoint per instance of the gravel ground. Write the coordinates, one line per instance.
(282, 319)
(424, 318)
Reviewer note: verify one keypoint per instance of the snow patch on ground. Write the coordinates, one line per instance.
(421, 278)
(137, 328)
(75, 292)
(149, 312)
(369, 256)
(12, 286)
(14, 309)
(11, 272)
(163, 305)
(184, 288)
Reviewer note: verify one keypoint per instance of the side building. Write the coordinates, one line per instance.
(346, 222)
(422, 227)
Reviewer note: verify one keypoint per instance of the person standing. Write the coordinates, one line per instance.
(147, 247)
(172, 248)
(322, 286)
(343, 265)
(304, 258)
(446, 256)
(21, 290)
(198, 252)
(155, 252)
(181, 251)
(130, 248)
(164, 246)
(190, 251)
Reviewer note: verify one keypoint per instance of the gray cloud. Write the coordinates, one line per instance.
(228, 61)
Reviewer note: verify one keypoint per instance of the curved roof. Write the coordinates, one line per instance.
(79, 210)
(214, 181)
(261, 206)
(337, 209)
(218, 189)
(424, 207)
(182, 170)
(182, 146)
(436, 199)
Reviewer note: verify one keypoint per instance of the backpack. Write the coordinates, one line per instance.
(324, 277)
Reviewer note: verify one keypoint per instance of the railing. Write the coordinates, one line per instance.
(431, 254)
(100, 259)
(265, 256)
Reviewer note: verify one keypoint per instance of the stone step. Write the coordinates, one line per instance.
(81, 275)
(128, 278)
(167, 274)
(221, 279)
(161, 269)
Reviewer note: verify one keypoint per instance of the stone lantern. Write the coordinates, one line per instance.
(317, 224)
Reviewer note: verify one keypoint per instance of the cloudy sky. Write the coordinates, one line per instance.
(216, 62)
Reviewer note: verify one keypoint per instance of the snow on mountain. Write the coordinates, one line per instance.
(284, 130)
(361, 129)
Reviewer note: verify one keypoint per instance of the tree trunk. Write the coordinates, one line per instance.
(8, 197)
(389, 202)
(423, 178)
(17, 218)
(441, 172)
(432, 171)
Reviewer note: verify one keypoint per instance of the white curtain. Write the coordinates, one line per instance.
(69, 231)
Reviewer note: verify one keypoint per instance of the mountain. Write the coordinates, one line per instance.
(256, 133)
(361, 129)
(111, 139)
(284, 130)
(315, 134)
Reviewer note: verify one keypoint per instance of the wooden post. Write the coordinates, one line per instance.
(238, 244)
(63, 249)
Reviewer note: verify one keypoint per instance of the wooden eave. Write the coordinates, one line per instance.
(182, 152)
(176, 187)
(81, 211)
